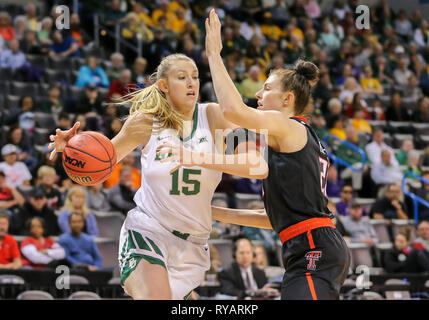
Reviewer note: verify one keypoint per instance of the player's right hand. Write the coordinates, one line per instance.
(59, 141)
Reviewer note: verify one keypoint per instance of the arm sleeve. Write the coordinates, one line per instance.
(92, 225)
(66, 245)
(36, 257)
(63, 221)
(56, 252)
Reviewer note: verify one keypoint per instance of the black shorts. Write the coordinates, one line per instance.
(317, 263)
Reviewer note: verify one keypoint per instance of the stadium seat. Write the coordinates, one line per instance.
(396, 289)
(399, 138)
(45, 120)
(40, 61)
(43, 89)
(35, 295)
(41, 136)
(60, 63)
(115, 280)
(398, 224)
(421, 128)
(380, 227)
(75, 279)
(360, 255)
(84, 295)
(225, 248)
(109, 224)
(75, 92)
(109, 249)
(11, 278)
(12, 102)
(57, 76)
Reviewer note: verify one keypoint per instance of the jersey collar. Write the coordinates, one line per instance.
(300, 118)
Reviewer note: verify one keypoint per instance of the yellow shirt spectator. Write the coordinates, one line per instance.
(361, 125)
(339, 133)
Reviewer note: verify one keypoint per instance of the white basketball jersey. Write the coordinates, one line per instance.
(179, 200)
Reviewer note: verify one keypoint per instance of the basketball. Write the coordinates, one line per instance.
(89, 158)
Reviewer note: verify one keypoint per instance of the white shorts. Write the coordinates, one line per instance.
(142, 237)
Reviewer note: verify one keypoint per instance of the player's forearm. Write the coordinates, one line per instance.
(246, 165)
(227, 94)
(247, 218)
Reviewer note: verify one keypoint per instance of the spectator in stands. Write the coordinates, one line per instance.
(128, 161)
(10, 198)
(268, 237)
(421, 245)
(421, 37)
(10, 257)
(359, 227)
(402, 73)
(318, 124)
(190, 50)
(24, 116)
(35, 206)
(20, 26)
(54, 104)
(16, 172)
(382, 71)
(47, 176)
(117, 64)
(397, 259)
(19, 138)
(55, 163)
(328, 38)
(357, 103)
(260, 259)
(252, 83)
(242, 277)
(77, 32)
(139, 74)
(421, 114)
(44, 34)
(79, 246)
(359, 121)
(390, 205)
(135, 27)
(396, 111)
(31, 45)
(63, 46)
(92, 73)
(31, 17)
(122, 86)
(76, 203)
(423, 193)
(369, 84)
(96, 198)
(121, 196)
(114, 128)
(403, 26)
(335, 109)
(113, 13)
(279, 13)
(374, 148)
(6, 29)
(412, 90)
(89, 102)
(337, 129)
(38, 251)
(402, 156)
(334, 183)
(346, 197)
(249, 186)
(386, 172)
(413, 164)
(337, 221)
(12, 57)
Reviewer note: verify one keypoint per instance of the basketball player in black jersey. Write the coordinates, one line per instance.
(315, 255)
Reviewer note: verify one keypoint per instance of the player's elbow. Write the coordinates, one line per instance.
(259, 172)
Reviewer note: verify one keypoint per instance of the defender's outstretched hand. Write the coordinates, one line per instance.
(213, 35)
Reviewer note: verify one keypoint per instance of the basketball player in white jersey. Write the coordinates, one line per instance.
(163, 250)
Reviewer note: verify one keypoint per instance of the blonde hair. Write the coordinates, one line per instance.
(68, 205)
(152, 101)
(46, 171)
(264, 262)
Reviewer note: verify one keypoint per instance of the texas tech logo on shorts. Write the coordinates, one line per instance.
(312, 257)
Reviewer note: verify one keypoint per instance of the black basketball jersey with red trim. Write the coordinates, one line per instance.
(295, 189)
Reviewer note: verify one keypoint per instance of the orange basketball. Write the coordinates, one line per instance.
(89, 158)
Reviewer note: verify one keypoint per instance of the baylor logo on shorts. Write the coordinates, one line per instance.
(132, 263)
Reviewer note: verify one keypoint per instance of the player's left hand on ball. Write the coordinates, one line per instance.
(174, 153)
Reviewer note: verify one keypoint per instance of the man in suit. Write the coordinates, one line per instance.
(242, 277)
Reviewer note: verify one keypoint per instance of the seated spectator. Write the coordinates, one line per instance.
(423, 192)
(44, 34)
(76, 203)
(35, 206)
(249, 186)
(390, 206)
(357, 103)
(89, 101)
(359, 121)
(402, 156)
(374, 148)
(80, 247)
(16, 172)
(359, 227)
(396, 111)
(421, 114)
(190, 50)
(6, 29)
(402, 73)
(10, 257)
(260, 257)
(386, 172)
(397, 260)
(421, 246)
(38, 251)
(318, 124)
(134, 27)
(10, 198)
(412, 90)
(24, 116)
(279, 13)
(333, 184)
(337, 221)
(113, 180)
(252, 84)
(63, 47)
(369, 84)
(413, 163)
(54, 104)
(328, 38)
(421, 34)
(242, 277)
(139, 74)
(403, 26)
(91, 73)
(122, 86)
(335, 109)
(77, 32)
(114, 128)
(337, 129)
(14, 59)
(20, 25)
(19, 138)
(96, 198)
(117, 64)
(31, 45)
(346, 198)
(121, 196)
(46, 178)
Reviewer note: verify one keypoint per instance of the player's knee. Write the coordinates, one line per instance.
(153, 295)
